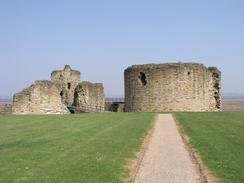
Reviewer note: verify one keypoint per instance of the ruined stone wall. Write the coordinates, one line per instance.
(172, 87)
(43, 97)
(89, 96)
(68, 80)
(5, 108)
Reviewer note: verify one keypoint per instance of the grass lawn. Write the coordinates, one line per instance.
(219, 139)
(70, 148)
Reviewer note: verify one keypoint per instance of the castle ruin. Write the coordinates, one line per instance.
(148, 88)
(172, 87)
(57, 96)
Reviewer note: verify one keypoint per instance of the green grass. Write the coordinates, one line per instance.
(219, 139)
(70, 148)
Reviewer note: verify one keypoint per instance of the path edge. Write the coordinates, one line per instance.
(136, 163)
(206, 175)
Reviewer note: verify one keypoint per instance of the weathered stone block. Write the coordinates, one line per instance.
(43, 97)
(89, 97)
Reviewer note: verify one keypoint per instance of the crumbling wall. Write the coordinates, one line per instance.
(172, 87)
(43, 97)
(215, 89)
(63, 92)
(68, 80)
(89, 96)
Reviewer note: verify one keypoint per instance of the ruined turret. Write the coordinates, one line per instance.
(68, 80)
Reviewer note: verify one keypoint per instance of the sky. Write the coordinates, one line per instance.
(101, 38)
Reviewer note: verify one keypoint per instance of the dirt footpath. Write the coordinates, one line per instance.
(166, 159)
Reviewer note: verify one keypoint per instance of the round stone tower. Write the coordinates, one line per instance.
(172, 87)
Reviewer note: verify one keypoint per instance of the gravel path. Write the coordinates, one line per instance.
(166, 159)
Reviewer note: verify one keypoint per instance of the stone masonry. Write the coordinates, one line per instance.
(56, 96)
(89, 96)
(40, 98)
(68, 80)
(148, 88)
(172, 87)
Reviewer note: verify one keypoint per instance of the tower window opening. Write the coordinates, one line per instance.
(69, 85)
(143, 78)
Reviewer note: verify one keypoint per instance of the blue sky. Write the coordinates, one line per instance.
(101, 38)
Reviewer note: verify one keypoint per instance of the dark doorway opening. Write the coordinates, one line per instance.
(143, 78)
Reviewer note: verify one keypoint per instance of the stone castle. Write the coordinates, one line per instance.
(172, 87)
(148, 88)
(60, 95)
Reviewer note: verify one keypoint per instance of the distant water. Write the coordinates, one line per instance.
(5, 101)
(233, 99)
